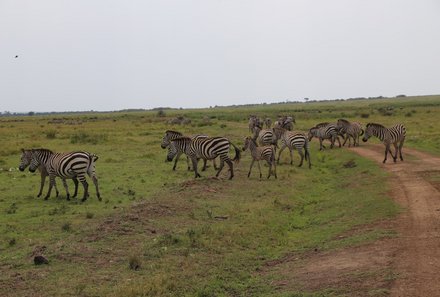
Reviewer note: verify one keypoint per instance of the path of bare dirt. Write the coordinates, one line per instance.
(415, 186)
(407, 265)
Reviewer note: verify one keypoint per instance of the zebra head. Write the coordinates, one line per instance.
(172, 151)
(35, 161)
(312, 133)
(169, 135)
(369, 131)
(247, 142)
(26, 158)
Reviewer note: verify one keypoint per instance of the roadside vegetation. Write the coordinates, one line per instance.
(160, 232)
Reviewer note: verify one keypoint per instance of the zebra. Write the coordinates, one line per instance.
(285, 122)
(166, 141)
(266, 152)
(65, 165)
(292, 140)
(254, 121)
(328, 131)
(205, 148)
(394, 135)
(264, 136)
(352, 130)
(268, 123)
(26, 157)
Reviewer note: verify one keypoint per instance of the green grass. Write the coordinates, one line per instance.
(189, 237)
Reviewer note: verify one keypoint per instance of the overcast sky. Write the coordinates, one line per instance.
(76, 55)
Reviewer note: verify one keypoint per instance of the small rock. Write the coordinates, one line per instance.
(39, 260)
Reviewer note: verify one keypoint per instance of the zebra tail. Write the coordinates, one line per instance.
(237, 153)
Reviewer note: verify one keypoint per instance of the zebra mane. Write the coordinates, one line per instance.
(185, 138)
(375, 125)
(171, 131)
(42, 150)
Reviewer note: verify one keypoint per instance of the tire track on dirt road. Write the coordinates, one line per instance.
(415, 185)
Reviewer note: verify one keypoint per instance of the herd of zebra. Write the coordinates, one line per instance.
(262, 144)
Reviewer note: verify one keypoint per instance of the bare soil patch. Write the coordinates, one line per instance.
(407, 265)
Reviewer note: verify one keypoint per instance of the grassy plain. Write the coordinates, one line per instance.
(186, 237)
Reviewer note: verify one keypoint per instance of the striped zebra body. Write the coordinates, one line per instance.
(207, 148)
(327, 131)
(293, 140)
(177, 151)
(66, 165)
(264, 136)
(261, 153)
(394, 135)
(351, 130)
(26, 158)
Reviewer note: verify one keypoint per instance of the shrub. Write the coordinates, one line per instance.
(161, 113)
(365, 115)
(89, 215)
(134, 262)
(84, 137)
(51, 134)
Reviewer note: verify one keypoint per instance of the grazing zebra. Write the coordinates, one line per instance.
(264, 136)
(65, 165)
(166, 141)
(268, 123)
(26, 157)
(394, 135)
(292, 140)
(266, 152)
(329, 131)
(205, 148)
(352, 130)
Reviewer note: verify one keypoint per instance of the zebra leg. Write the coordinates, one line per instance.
(274, 168)
(400, 150)
(188, 163)
(95, 181)
(339, 141)
(66, 188)
(302, 157)
(396, 150)
(204, 164)
(345, 137)
(250, 168)
(320, 144)
(176, 159)
(279, 154)
(222, 164)
(75, 181)
(387, 148)
(231, 168)
(270, 168)
(259, 168)
(43, 179)
(291, 156)
(86, 188)
(194, 162)
(51, 184)
(214, 164)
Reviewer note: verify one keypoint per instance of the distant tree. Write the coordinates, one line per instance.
(161, 113)
(31, 113)
(401, 96)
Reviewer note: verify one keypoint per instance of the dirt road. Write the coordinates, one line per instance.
(416, 187)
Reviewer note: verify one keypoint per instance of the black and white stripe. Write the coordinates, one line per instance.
(169, 135)
(264, 136)
(206, 148)
(351, 130)
(394, 135)
(26, 158)
(321, 131)
(65, 165)
(293, 140)
(266, 152)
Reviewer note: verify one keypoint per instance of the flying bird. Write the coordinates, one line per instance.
(16, 56)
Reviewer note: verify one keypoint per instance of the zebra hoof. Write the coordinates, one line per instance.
(84, 199)
(39, 195)
(47, 197)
